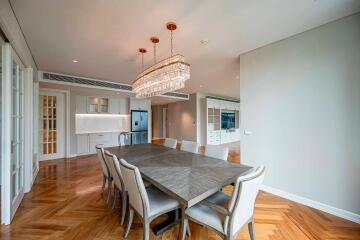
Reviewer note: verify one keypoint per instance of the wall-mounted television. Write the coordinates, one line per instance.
(227, 120)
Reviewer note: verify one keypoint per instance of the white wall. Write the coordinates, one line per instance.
(201, 118)
(181, 117)
(301, 99)
(157, 121)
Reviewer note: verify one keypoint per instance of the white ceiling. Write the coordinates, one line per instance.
(104, 35)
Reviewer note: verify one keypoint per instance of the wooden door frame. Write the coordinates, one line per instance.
(67, 117)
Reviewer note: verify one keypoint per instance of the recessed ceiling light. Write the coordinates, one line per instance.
(75, 61)
(204, 41)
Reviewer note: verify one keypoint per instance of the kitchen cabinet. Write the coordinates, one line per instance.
(114, 105)
(98, 105)
(86, 142)
(82, 144)
(80, 103)
(140, 104)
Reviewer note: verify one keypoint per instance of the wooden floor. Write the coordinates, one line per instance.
(66, 203)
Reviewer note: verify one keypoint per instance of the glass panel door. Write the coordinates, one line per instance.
(12, 134)
(17, 136)
(52, 125)
(48, 143)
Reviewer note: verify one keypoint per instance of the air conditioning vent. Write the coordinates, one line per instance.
(224, 99)
(85, 82)
(177, 95)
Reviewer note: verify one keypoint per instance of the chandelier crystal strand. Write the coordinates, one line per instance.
(165, 76)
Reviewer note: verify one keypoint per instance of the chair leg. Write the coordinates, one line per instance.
(146, 229)
(188, 229)
(103, 183)
(123, 206)
(130, 220)
(251, 230)
(109, 189)
(116, 192)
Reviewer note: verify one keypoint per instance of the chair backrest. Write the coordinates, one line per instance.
(101, 156)
(218, 152)
(170, 142)
(121, 139)
(189, 146)
(114, 167)
(134, 184)
(242, 202)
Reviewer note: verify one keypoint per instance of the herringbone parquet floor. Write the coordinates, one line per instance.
(66, 203)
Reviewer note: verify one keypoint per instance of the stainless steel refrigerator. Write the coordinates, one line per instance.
(139, 127)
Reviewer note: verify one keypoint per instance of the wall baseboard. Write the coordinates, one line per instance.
(314, 204)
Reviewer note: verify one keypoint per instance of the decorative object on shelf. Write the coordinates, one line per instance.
(165, 76)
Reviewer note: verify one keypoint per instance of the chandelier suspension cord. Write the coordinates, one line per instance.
(142, 61)
(171, 43)
(154, 52)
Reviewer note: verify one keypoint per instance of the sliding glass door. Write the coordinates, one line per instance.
(17, 136)
(12, 133)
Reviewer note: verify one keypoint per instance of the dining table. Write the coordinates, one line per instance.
(187, 177)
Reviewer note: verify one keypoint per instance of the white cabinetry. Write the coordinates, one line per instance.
(103, 139)
(118, 106)
(140, 104)
(215, 134)
(214, 137)
(82, 144)
(80, 102)
(114, 105)
(86, 142)
(100, 105)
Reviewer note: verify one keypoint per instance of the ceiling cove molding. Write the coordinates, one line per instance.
(64, 79)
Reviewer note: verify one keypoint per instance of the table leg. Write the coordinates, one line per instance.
(184, 224)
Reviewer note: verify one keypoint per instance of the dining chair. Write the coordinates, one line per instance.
(148, 203)
(119, 189)
(170, 143)
(105, 169)
(228, 220)
(189, 146)
(218, 152)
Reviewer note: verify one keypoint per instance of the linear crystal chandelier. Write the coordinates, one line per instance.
(165, 76)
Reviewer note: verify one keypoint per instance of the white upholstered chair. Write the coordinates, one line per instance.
(218, 152)
(189, 146)
(148, 203)
(239, 210)
(170, 143)
(105, 169)
(119, 189)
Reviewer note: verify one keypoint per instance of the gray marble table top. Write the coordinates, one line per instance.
(188, 177)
